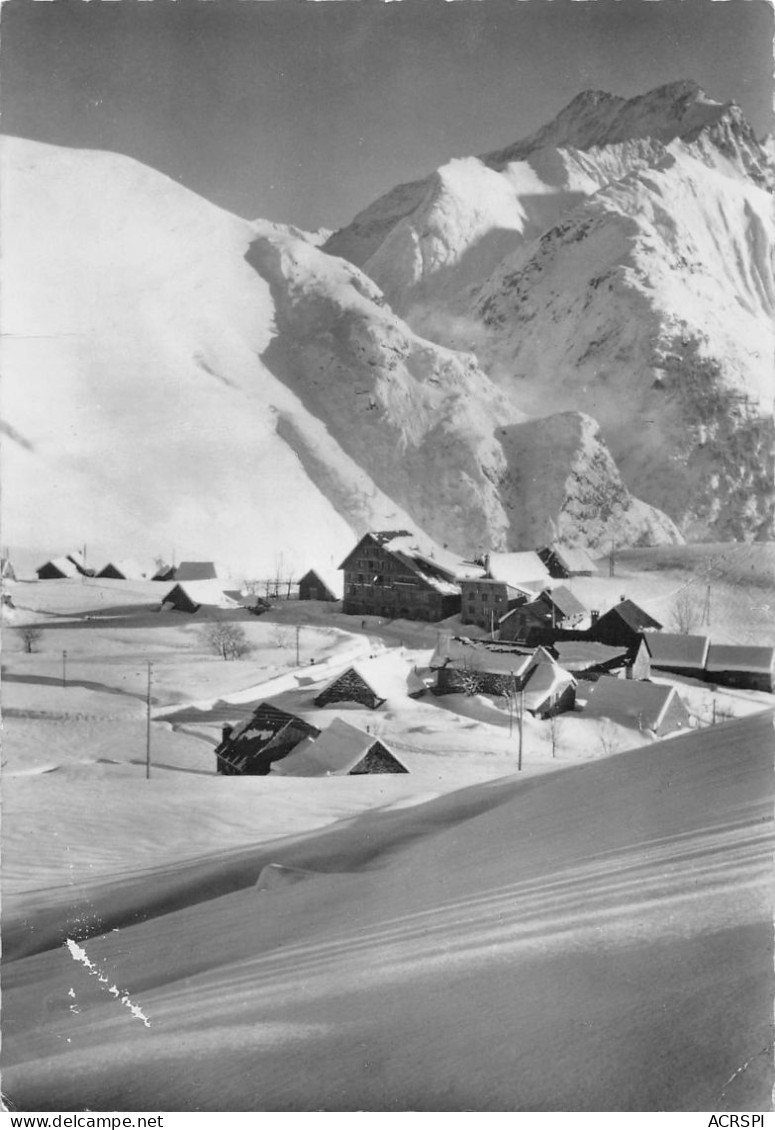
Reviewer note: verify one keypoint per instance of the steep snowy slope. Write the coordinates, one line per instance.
(619, 262)
(177, 376)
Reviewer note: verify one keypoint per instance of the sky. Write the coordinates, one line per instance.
(305, 112)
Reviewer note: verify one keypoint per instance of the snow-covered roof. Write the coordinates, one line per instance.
(676, 650)
(545, 680)
(517, 568)
(388, 676)
(579, 655)
(332, 578)
(203, 592)
(336, 752)
(740, 657)
(130, 570)
(632, 615)
(457, 654)
(564, 600)
(63, 564)
(574, 560)
(630, 701)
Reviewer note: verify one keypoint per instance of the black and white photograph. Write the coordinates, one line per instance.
(388, 556)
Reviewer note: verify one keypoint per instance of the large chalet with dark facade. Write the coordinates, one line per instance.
(387, 574)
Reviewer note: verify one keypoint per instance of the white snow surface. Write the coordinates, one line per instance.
(619, 262)
(220, 386)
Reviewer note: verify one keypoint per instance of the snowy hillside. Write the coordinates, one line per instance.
(619, 262)
(178, 377)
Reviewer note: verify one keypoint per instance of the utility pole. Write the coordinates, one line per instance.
(64, 668)
(298, 633)
(612, 559)
(520, 712)
(148, 726)
(512, 697)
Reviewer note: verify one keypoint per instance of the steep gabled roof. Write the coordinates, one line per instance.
(573, 560)
(676, 650)
(129, 570)
(630, 701)
(435, 568)
(518, 569)
(564, 600)
(330, 577)
(632, 615)
(546, 679)
(386, 676)
(202, 592)
(65, 566)
(336, 752)
(456, 654)
(740, 657)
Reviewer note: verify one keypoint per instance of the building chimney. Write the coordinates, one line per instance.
(487, 564)
(594, 615)
(226, 730)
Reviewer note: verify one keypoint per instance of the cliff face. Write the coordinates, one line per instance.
(619, 262)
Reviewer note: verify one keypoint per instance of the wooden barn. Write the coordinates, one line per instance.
(549, 690)
(465, 668)
(639, 705)
(371, 682)
(563, 562)
(57, 569)
(126, 571)
(321, 584)
(388, 574)
(623, 624)
(193, 595)
(341, 750)
(252, 747)
(677, 654)
(743, 666)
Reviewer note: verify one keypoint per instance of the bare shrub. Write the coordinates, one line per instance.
(30, 635)
(225, 639)
(608, 737)
(685, 612)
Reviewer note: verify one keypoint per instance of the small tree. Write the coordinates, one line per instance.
(30, 634)
(685, 613)
(226, 639)
(608, 737)
(555, 729)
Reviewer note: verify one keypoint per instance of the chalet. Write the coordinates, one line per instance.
(387, 574)
(677, 654)
(253, 746)
(126, 571)
(642, 705)
(372, 682)
(341, 751)
(461, 666)
(508, 581)
(549, 690)
(192, 596)
(556, 607)
(321, 584)
(750, 668)
(164, 572)
(57, 569)
(563, 562)
(7, 571)
(623, 624)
